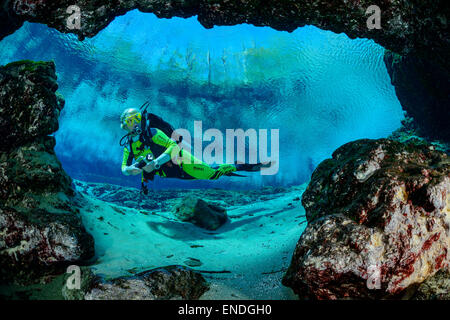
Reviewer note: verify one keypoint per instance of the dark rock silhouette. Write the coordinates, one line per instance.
(29, 105)
(41, 231)
(410, 133)
(405, 25)
(172, 282)
(201, 213)
(422, 87)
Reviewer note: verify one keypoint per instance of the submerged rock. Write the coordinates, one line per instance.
(192, 262)
(411, 134)
(38, 243)
(29, 105)
(31, 176)
(435, 288)
(166, 199)
(172, 282)
(378, 222)
(201, 213)
(41, 231)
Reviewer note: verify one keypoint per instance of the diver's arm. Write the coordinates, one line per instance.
(127, 168)
(162, 159)
(160, 138)
(131, 171)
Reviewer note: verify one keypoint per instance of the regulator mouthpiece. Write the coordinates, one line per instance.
(136, 131)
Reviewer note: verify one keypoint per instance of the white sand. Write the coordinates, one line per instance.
(255, 246)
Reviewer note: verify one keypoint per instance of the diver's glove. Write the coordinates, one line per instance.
(131, 170)
(149, 167)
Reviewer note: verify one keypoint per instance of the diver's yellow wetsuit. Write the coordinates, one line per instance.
(182, 164)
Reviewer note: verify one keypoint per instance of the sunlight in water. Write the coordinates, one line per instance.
(319, 88)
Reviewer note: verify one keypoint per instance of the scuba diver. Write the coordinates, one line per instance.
(148, 144)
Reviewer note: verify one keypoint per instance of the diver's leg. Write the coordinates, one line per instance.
(197, 169)
(205, 172)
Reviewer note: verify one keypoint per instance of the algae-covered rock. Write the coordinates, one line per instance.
(378, 222)
(436, 287)
(88, 281)
(411, 134)
(172, 282)
(30, 171)
(41, 230)
(29, 105)
(201, 213)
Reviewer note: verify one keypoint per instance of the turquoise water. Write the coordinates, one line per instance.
(319, 88)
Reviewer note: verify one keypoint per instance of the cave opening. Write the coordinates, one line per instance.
(318, 88)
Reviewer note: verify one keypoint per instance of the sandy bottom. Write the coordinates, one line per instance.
(244, 259)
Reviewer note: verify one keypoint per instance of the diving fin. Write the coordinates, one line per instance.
(249, 167)
(232, 174)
